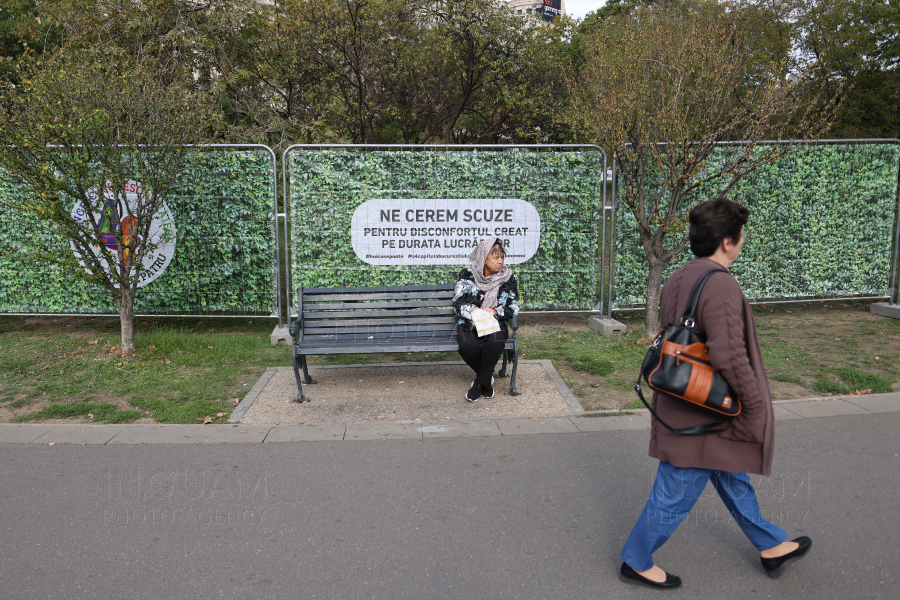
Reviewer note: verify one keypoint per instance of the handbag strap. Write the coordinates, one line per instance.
(701, 429)
(690, 313)
(689, 320)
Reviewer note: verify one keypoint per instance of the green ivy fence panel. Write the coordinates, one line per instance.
(224, 262)
(822, 220)
(564, 184)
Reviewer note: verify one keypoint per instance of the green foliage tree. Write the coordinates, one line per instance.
(854, 46)
(661, 87)
(80, 129)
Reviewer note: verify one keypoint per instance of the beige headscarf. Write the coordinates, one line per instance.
(489, 285)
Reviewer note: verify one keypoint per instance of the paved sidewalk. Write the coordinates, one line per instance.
(51, 434)
(518, 517)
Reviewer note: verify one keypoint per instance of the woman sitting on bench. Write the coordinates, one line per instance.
(486, 297)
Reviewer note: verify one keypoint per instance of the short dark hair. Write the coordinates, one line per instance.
(498, 244)
(713, 221)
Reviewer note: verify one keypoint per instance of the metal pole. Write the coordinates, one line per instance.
(278, 298)
(287, 243)
(612, 237)
(603, 242)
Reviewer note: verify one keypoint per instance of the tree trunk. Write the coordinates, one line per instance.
(654, 286)
(125, 303)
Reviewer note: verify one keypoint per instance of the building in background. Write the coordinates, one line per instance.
(546, 9)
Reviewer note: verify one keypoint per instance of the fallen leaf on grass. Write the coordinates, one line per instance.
(234, 400)
(168, 362)
(93, 341)
(220, 414)
(861, 392)
(210, 347)
(90, 415)
(205, 420)
(153, 347)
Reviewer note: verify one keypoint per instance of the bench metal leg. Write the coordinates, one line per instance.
(302, 359)
(502, 372)
(306, 376)
(512, 381)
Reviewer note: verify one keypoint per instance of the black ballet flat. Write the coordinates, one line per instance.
(630, 576)
(773, 566)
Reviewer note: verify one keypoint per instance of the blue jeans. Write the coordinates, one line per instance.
(673, 495)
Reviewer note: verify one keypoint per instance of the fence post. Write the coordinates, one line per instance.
(892, 307)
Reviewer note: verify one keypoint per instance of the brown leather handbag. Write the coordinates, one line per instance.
(677, 365)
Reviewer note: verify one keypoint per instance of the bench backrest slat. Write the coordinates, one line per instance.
(376, 314)
(425, 303)
(446, 335)
(379, 296)
(389, 289)
(413, 329)
(372, 323)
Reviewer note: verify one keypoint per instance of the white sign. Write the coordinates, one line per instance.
(442, 232)
(116, 217)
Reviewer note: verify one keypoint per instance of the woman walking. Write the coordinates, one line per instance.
(726, 458)
(491, 286)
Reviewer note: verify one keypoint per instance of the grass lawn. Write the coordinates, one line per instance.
(188, 369)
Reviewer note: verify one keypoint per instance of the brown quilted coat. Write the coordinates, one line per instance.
(726, 317)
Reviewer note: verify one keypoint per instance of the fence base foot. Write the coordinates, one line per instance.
(885, 310)
(281, 335)
(607, 327)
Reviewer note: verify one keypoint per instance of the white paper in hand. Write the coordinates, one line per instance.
(485, 323)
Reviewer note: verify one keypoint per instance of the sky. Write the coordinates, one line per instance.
(579, 8)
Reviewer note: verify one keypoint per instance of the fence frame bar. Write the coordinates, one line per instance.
(432, 148)
(895, 267)
(277, 299)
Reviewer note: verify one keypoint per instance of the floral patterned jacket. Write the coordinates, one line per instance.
(468, 296)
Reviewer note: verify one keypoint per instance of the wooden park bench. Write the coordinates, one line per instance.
(371, 320)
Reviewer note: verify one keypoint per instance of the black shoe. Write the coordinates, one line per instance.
(474, 392)
(773, 566)
(629, 575)
(488, 393)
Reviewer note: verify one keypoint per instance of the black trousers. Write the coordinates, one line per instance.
(482, 353)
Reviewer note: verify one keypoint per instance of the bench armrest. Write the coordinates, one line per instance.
(514, 322)
(295, 328)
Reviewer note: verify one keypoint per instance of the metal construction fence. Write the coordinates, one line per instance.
(401, 215)
(824, 225)
(824, 222)
(223, 261)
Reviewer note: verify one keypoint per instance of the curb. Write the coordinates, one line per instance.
(155, 434)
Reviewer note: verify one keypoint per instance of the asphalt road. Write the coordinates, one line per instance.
(540, 516)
